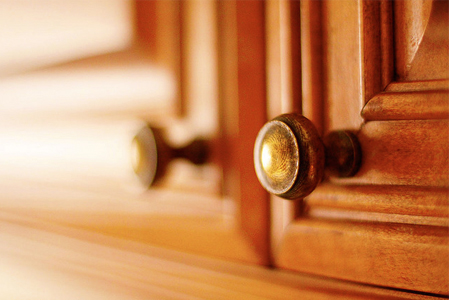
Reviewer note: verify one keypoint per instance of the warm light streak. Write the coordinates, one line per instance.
(38, 33)
(114, 88)
(87, 154)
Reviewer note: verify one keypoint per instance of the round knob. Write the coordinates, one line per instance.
(290, 157)
(152, 154)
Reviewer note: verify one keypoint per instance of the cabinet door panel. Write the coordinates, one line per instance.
(387, 225)
(399, 255)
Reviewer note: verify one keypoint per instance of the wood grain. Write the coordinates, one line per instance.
(414, 152)
(343, 65)
(410, 21)
(283, 85)
(388, 254)
(377, 52)
(417, 86)
(312, 68)
(408, 106)
(384, 218)
(422, 30)
(252, 199)
(416, 201)
(388, 225)
(54, 260)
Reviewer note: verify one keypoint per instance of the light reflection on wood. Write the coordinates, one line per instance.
(41, 260)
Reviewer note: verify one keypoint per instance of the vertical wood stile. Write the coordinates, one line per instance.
(283, 87)
(251, 74)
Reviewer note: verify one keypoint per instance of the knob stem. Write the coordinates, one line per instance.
(153, 154)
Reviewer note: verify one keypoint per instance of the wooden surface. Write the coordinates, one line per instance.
(388, 225)
(376, 18)
(253, 199)
(422, 33)
(411, 19)
(412, 152)
(412, 201)
(56, 261)
(183, 220)
(312, 78)
(284, 90)
(184, 62)
(434, 47)
(387, 254)
(408, 106)
(343, 64)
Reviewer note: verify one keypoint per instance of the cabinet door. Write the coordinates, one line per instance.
(199, 64)
(379, 69)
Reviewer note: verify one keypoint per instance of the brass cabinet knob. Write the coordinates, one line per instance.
(152, 154)
(290, 157)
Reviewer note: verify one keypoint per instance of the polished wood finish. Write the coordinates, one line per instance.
(403, 256)
(225, 38)
(403, 200)
(422, 30)
(411, 152)
(284, 85)
(251, 75)
(382, 234)
(98, 266)
(377, 56)
(387, 225)
(408, 106)
(312, 62)
(343, 64)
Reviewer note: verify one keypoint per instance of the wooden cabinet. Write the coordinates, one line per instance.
(377, 68)
(359, 65)
(362, 71)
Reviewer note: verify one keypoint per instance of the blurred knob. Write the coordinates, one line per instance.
(152, 154)
(290, 157)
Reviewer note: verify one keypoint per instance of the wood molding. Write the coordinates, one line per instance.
(416, 201)
(312, 62)
(418, 86)
(422, 31)
(243, 102)
(388, 224)
(404, 152)
(388, 254)
(408, 106)
(377, 52)
(284, 90)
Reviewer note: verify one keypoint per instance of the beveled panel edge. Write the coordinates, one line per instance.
(417, 86)
(403, 152)
(376, 25)
(411, 104)
(364, 216)
(402, 200)
(402, 256)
